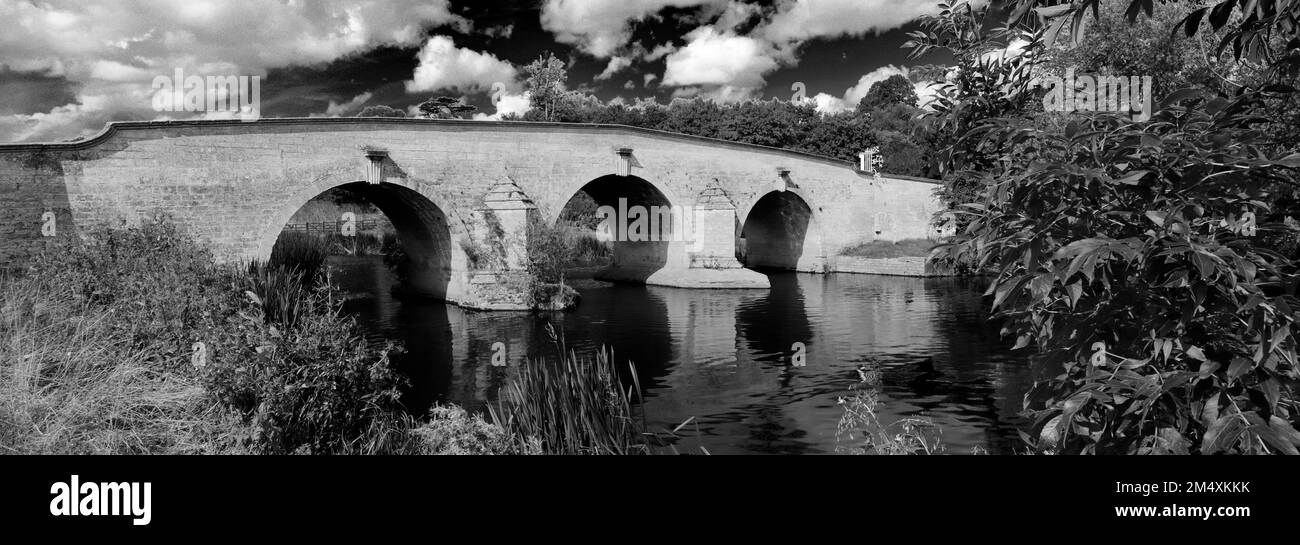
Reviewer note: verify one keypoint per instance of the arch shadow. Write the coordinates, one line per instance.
(422, 228)
(781, 233)
(635, 257)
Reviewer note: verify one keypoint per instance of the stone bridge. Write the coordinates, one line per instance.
(453, 188)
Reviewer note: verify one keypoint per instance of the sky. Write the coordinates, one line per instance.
(67, 67)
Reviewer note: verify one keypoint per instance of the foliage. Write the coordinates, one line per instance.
(775, 123)
(381, 111)
(912, 247)
(895, 89)
(551, 250)
(445, 107)
(860, 427)
(573, 406)
(220, 359)
(1125, 250)
(545, 83)
(303, 252)
(74, 381)
(450, 430)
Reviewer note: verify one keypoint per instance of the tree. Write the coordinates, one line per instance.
(546, 84)
(381, 111)
(896, 89)
(1132, 254)
(445, 107)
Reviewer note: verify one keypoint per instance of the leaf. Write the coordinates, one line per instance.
(1134, 179)
(1079, 247)
(1053, 11)
(1192, 22)
(1211, 411)
(1180, 95)
(1239, 367)
(1222, 434)
(1007, 289)
(1284, 429)
(1274, 439)
(1270, 389)
(1221, 12)
(1195, 353)
(1075, 291)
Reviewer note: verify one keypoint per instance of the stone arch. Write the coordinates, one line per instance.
(426, 231)
(667, 193)
(633, 260)
(781, 230)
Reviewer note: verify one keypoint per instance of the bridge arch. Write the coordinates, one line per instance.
(781, 230)
(427, 233)
(633, 260)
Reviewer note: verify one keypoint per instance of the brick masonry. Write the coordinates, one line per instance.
(236, 184)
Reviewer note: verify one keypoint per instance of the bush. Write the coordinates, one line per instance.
(135, 340)
(452, 430)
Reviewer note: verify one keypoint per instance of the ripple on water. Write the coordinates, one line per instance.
(724, 356)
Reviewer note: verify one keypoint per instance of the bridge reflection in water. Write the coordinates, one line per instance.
(723, 356)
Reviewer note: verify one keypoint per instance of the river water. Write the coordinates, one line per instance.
(726, 357)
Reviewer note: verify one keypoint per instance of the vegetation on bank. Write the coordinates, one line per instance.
(137, 341)
(1151, 262)
(880, 249)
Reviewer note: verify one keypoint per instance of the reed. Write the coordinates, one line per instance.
(576, 405)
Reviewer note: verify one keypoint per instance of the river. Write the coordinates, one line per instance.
(727, 357)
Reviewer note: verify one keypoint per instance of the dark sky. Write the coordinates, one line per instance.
(67, 67)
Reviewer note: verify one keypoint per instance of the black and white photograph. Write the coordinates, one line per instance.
(1005, 230)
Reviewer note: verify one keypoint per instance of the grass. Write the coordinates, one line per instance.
(135, 341)
(880, 249)
(73, 382)
(573, 406)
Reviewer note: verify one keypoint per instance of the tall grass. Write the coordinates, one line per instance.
(573, 406)
(74, 381)
(100, 353)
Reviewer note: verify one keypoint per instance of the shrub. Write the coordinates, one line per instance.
(860, 430)
(136, 340)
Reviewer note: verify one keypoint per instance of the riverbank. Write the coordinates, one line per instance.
(137, 341)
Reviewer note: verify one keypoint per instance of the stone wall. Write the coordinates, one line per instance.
(888, 266)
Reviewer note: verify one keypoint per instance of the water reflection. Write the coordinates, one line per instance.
(723, 356)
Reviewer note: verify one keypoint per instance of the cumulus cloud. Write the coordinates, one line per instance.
(616, 65)
(723, 65)
(659, 52)
(603, 27)
(114, 48)
(348, 108)
(443, 66)
(800, 20)
(517, 104)
(721, 62)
